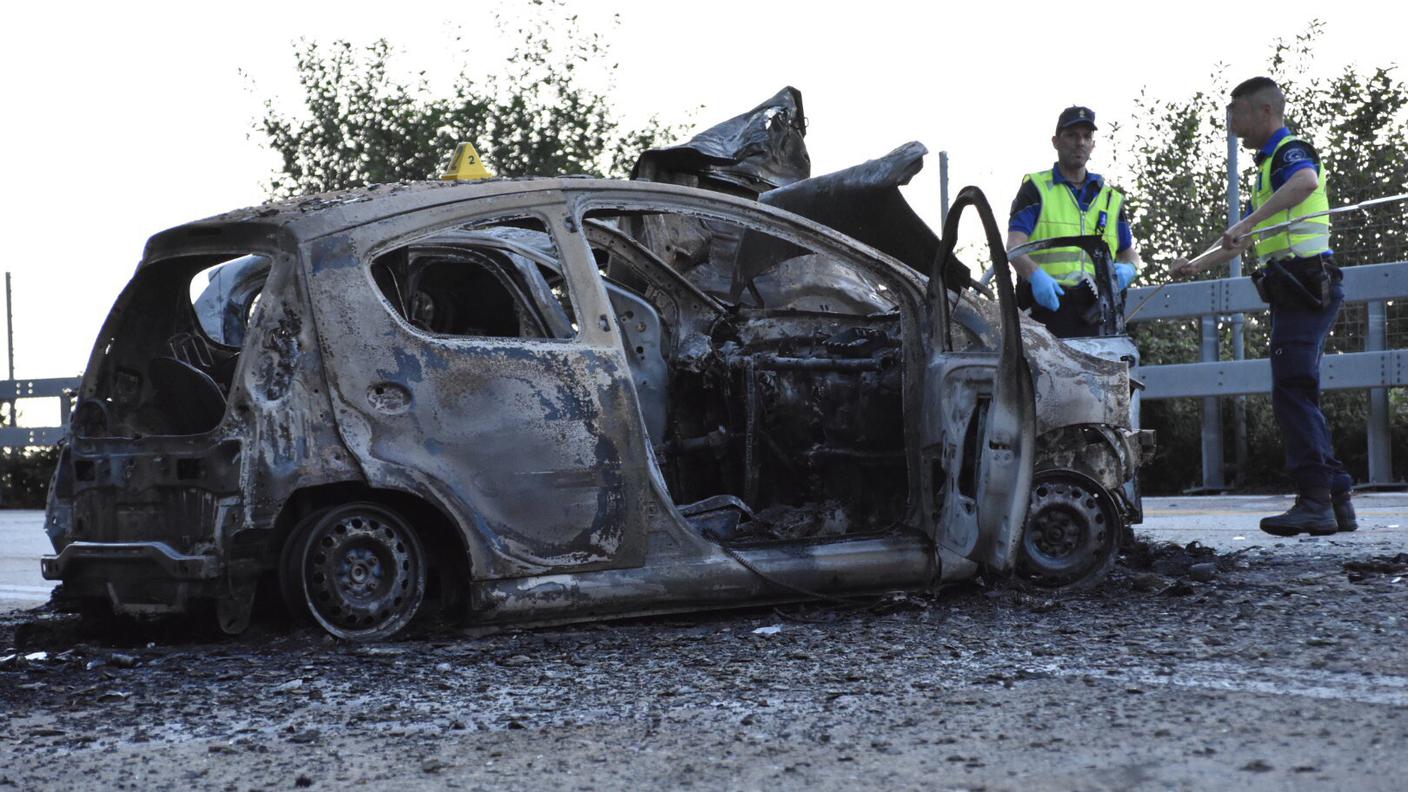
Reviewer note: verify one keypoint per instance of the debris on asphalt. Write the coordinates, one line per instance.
(1203, 572)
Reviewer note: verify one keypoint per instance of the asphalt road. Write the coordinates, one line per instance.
(1285, 670)
(22, 542)
(1225, 523)
(1229, 522)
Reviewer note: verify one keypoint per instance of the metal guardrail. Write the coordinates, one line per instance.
(62, 388)
(1376, 368)
(1344, 371)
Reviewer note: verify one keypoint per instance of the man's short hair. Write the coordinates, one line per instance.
(1254, 85)
(1262, 88)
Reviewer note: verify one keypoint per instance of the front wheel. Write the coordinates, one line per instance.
(1072, 534)
(358, 570)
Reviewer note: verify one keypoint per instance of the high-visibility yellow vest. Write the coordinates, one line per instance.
(1305, 238)
(1061, 216)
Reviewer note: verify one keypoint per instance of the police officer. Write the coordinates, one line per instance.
(1068, 200)
(1302, 285)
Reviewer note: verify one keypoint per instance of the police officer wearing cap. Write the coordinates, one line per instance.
(1302, 285)
(1068, 200)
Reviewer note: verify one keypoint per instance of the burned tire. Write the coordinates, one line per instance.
(1072, 534)
(357, 570)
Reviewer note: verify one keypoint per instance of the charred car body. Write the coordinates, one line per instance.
(433, 390)
(548, 400)
(1085, 492)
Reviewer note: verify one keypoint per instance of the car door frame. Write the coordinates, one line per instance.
(582, 399)
(983, 439)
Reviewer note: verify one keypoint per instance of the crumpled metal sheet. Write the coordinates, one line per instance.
(1072, 386)
(749, 154)
(863, 202)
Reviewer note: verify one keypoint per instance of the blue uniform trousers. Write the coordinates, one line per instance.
(1297, 343)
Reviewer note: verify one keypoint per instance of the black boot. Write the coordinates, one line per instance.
(1345, 518)
(1311, 514)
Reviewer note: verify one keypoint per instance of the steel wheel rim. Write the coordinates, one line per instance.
(1068, 533)
(363, 573)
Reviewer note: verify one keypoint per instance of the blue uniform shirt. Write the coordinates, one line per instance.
(1297, 155)
(1026, 207)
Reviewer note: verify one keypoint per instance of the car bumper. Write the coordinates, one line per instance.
(172, 564)
(138, 578)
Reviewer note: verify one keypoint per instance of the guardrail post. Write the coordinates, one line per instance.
(65, 409)
(1380, 459)
(1212, 413)
(1234, 270)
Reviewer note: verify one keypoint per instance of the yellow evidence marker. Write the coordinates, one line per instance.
(466, 165)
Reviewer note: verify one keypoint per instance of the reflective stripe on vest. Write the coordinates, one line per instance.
(1304, 239)
(1061, 216)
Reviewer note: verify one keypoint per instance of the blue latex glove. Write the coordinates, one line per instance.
(1124, 273)
(1046, 291)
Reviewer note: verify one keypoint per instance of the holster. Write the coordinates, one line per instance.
(1300, 284)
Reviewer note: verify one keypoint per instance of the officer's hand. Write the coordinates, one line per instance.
(1046, 291)
(1182, 268)
(1234, 236)
(1124, 273)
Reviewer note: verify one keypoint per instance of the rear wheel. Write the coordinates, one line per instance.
(1072, 535)
(358, 570)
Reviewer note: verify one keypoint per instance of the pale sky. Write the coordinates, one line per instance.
(125, 119)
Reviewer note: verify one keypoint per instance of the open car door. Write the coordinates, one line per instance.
(981, 433)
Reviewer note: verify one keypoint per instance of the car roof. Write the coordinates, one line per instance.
(307, 217)
(299, 220)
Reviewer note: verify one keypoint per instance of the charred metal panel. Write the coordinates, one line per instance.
(280, 403)
(863, 202)
(535, 444)
(747, 154)
(850, 567)
(958, 392)
(1105, 455)
(141, 523)
(1072, 387)
(642, 337)
(126, 491)
(685, 311)
(820, 283)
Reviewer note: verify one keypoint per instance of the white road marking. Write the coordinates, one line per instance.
(1311, 683)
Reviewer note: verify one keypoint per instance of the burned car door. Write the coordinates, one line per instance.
(982, 437)
(459, 372)
(801, 407)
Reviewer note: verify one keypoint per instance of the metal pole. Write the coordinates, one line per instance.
(943, 187)
(10, 344)
(1212, 415)
(1234, 270)
(1380, 459)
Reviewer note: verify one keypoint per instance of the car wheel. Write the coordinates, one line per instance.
(1072, 534)
(358, 570)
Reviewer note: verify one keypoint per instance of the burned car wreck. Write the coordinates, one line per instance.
(433, 392)
(546, 400)
(1085, 491)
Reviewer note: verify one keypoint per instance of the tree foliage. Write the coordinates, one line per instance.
(362, 123)
(1175, 156)
(24, 476)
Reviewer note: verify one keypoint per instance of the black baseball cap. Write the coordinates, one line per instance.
(1076, 115)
